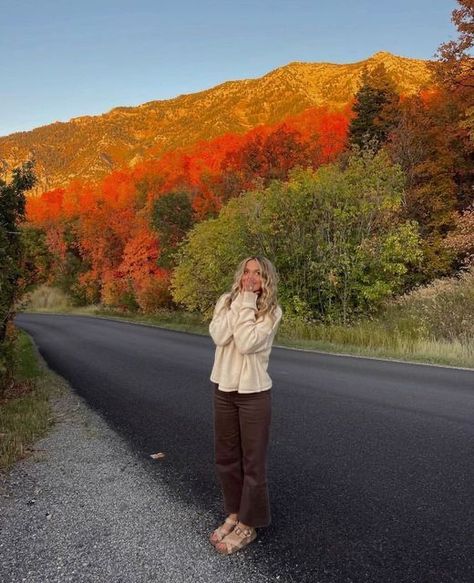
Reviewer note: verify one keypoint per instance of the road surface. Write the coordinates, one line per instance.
(371, 468)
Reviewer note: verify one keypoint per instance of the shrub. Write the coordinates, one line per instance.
(443, 310)
(334, 236)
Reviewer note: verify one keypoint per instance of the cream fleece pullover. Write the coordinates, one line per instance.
(243, 344)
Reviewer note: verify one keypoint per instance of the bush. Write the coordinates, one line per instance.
(207, 260)
(153, 295)
(45, 297)
(119, 294)
(334, 236)
(442, 310)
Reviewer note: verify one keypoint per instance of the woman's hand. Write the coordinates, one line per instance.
(248, 284)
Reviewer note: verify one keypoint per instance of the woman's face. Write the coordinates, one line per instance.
(252, 277)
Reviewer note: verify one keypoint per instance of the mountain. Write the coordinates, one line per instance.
(90, 147)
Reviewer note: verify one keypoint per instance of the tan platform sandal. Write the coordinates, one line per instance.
(223, 531)
(238, 539)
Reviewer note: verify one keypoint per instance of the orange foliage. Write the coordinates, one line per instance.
(116, 291)
(90, 285)
(110, 219)
(153, 294)
(328, 128)
(45, 209)
(78, 198)
(140, 254)
(199, 166)
(118, 190)
(55, 241)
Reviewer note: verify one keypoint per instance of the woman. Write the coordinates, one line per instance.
(243, 327)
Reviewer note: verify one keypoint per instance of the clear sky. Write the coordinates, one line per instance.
(63, 58)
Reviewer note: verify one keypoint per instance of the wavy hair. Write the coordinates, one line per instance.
(267, 298)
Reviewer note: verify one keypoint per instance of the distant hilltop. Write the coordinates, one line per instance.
(89, 147)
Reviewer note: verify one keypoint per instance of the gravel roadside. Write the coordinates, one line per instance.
(83, 508)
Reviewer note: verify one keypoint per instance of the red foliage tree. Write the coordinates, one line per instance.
(107, 225)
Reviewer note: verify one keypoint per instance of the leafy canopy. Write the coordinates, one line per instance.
(333, 234)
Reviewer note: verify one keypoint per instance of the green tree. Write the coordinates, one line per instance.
(208, 257)
(12, 213)
(172, 217)
(37, 259)
(375, 108)
(337, 239)
(334, 235)
(67, 270)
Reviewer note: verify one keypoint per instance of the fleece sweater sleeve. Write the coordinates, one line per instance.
(221, 327)
(250, 336)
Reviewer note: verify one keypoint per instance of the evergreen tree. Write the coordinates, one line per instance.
(172, 217)
(376, 108)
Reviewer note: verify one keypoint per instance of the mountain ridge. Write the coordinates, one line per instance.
(88, 147)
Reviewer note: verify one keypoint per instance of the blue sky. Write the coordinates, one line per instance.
(61, 59)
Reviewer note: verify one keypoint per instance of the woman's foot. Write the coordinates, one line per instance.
(224, 529)
(241, 536)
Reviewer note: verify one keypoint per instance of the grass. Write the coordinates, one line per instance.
(173, 320)
(25, 412)
(46, 298)
(434, 324)
(375, 340)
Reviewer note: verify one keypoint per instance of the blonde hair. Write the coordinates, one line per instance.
(267, 298)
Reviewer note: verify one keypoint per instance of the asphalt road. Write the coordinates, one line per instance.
(370, 465)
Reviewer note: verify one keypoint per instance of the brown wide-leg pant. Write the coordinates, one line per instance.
(241, 434)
